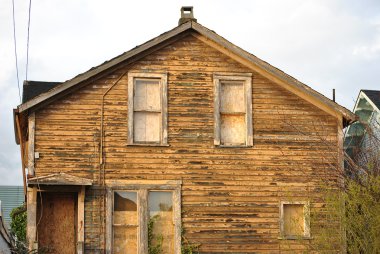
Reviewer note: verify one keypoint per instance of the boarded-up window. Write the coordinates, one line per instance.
(161, 226)
(295, 219)
(233, 110)
(125, 222)
(147, 109)
(145, 218)
(232, 113)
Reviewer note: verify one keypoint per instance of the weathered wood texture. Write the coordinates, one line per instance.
(30, 151)
(80, 220)
(58, 218)
(31, 217)
(230, 196)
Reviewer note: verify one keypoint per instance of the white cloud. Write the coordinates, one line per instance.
(369, 49)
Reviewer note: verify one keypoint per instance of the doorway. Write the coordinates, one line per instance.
(57, 221)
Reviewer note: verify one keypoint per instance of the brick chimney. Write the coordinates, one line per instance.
(187, 14)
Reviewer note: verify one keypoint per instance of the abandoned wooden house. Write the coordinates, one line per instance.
(186, 139)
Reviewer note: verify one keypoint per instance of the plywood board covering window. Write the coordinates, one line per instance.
(294, 219)
(125, 222)
(147, 107)
(233, 110)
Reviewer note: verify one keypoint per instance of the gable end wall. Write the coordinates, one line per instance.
(230, 196)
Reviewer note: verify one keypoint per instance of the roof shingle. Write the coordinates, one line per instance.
(32, 89)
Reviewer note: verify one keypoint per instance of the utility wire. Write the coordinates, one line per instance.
(15, 44)
(27, 43)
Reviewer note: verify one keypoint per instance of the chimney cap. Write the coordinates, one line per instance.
(187, 14)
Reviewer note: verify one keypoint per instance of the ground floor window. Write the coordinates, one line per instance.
(146, 219)
(161, 221)
(294, 219)
(125, 222)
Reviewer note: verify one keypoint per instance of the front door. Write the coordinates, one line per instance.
(56, 222)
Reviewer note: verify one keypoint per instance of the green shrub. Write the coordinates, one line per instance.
(18, 224)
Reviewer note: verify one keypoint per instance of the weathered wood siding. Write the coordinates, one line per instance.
(230, 196)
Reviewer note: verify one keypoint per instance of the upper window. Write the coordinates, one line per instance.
(294, 219)
(147, 109)
(233, 110)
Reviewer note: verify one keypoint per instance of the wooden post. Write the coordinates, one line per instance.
(109, 220)
(32, 218)
(177, 220)
(340, 167)
(32, 192)
(80, 228)
(32, 127)
(142, 204)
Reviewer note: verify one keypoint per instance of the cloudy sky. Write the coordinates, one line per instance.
(324, 43)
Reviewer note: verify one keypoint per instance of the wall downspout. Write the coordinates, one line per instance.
(102, 161)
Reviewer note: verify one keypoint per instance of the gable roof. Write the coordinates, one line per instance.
(374, 96)
(212, 38)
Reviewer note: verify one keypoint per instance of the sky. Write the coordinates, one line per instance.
(325, 44)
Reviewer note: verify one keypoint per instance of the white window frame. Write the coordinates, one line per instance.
(142, 189)
(246, 78)
(306, 215)
(132, 76)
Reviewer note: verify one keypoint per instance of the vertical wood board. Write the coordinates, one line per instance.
(233, 99)
(147, 95)
(233, 129)
(147, 127)
(57, 228)
(31, 142)
(31, 231)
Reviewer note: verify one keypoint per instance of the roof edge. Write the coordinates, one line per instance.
(211, 35)
(346, 113)
(104, 66)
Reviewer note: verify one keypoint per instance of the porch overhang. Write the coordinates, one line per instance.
(59, 179)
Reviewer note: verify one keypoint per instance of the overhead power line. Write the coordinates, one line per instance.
(27, 43)
(15, 45)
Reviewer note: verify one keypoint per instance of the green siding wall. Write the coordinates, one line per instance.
(11, 197)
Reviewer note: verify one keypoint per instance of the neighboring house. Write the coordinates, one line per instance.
(11, 197)
(362, 139)
(5, 240)
(186, 131)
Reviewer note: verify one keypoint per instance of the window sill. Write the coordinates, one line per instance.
(148, 144)
(233, 146)
(295, 238)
